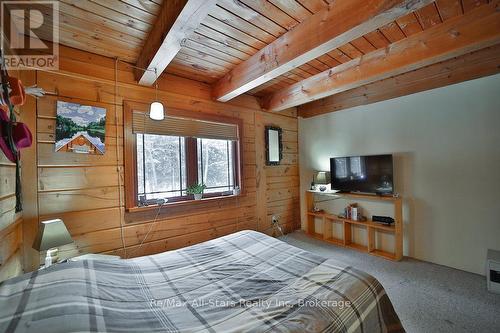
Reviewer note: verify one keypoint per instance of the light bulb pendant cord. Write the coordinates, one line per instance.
(156, 84)
(157, 111)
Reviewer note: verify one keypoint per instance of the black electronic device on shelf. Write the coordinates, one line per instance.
(383, 219)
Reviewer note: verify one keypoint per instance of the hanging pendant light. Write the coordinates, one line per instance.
(156, 111)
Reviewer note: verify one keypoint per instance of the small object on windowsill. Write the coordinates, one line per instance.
(196, 190)
(151, 202)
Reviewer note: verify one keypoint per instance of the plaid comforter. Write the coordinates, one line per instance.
(244, 282)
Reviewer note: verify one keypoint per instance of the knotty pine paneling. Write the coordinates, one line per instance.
(85, 190)
(11, 240)
(63, 179)
(7, 180)
(7, 214)
(11, 260)
(13, 266)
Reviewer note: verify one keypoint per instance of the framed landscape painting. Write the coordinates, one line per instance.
(80, 128)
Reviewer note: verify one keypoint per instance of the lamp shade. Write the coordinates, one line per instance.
(156, 111)
(52, 233)
(322, 178)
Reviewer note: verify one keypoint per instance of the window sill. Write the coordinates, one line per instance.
(183, 203)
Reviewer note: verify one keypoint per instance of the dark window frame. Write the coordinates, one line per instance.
(192, 172)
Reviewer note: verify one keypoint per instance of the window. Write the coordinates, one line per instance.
(161, 166)
(216, 164)
(163, 158)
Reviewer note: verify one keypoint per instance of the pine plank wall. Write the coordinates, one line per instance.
(11, 232)
(10, 223)
(86, 191)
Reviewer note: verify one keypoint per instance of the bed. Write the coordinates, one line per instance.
(243, 282)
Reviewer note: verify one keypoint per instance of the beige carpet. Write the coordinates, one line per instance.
(427, 297)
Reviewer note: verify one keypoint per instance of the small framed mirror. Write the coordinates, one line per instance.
(274, 145)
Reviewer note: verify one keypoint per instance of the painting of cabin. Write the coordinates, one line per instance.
(81, 143)
(80, 128)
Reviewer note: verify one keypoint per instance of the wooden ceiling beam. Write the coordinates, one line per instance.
(176, 21)
(466, 67)
(340, 22)
(475, 30)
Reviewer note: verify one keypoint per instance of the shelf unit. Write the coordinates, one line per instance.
(372, 228)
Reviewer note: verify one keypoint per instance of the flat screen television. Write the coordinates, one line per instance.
(367, 174)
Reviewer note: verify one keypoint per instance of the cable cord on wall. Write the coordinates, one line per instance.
(161, 202)
(118, 165)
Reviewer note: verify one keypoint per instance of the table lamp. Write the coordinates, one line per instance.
(51, 234)
(322, 178)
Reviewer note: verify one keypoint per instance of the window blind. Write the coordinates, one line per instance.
(186, 127)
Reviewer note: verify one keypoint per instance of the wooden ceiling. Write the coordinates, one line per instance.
(113, 28)
(240, 29)
(234, 31)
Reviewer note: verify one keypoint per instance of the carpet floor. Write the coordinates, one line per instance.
(426, 296)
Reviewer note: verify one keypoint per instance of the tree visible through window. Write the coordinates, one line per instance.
(163, 165)
(215, 164)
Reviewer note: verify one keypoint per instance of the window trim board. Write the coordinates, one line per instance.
(204, 200)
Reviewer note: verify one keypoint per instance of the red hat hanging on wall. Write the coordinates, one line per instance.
(21, 135)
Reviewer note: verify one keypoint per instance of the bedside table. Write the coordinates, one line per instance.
(92, 256)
